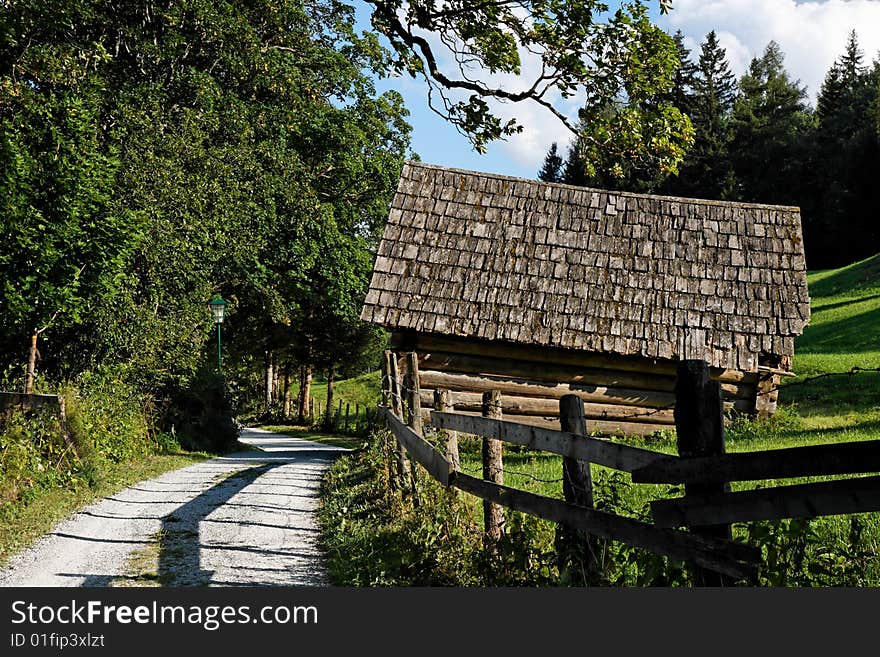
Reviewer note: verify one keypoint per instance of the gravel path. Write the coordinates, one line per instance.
(243, 519)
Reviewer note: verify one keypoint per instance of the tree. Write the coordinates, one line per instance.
(706, 171)
(684, 81)
(619, 62)
(551, 171)
(181, 149)
(772, 128)
(847, 153)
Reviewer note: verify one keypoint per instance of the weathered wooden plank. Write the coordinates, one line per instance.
(419, 449)
(858, 495)
(808, 461)
(397, 406)
(722, 556)
(576, 549)
(470, 401)
(601, 427)
(583, 378)
(583, 448)
(29, 401)
(547, 389)
(545, 355)
(443, 405)
(699, 430)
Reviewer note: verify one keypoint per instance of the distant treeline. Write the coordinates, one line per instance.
(759, 139)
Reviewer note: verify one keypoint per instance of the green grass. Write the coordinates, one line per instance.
(365, 390)
(22, 523)
(844, 333)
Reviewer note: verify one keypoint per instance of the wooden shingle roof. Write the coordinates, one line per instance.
(498, 258)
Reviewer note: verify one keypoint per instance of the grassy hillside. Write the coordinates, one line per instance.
(364, 389)
(844, 333)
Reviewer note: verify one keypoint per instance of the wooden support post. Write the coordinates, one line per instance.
(386, 378)
(577, 552)
(347, 410)
(403, 468)
(493, 470)
(699, 425)
(414, 408)
(443, 404)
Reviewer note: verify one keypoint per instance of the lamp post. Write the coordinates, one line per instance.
(218, 307)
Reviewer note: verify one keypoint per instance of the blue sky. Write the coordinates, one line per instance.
(811, 33)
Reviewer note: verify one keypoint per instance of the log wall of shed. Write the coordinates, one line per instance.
(628, 394)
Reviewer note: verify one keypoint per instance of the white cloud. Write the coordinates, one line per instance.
(812, 34)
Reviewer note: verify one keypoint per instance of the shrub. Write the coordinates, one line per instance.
(202, 415)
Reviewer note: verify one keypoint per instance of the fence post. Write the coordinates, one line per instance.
(699, 426)
(414, 405)
(575, 548)
(403, 468)
(347, 409)
(493, 470)
(443, 404)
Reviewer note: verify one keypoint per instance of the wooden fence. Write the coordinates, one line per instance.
(694, 527)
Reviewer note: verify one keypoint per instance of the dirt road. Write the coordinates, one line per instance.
(243, 519)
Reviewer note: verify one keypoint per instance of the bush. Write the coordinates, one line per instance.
(106, 421)
(202, 416)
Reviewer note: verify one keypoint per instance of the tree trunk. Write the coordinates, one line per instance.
(277, 395)
(328, 419)
(287, 391)
(270, 376)
(32, 364)
(305, 392)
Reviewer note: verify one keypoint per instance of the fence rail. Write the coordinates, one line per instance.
(707, 508)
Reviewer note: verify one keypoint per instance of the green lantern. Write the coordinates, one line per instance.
(218, 308)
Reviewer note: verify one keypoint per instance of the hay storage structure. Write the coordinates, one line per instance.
(540, 290)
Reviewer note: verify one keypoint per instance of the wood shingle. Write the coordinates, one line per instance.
(479, 255)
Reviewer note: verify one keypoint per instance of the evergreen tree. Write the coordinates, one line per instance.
(681, 95)
(847, 156)
(551, 171)
(771, 128)
(706, 171)
(573, 170)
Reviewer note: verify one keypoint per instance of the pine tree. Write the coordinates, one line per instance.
(551, 171)
(847, 155)
(574, 171)
(706, 171)
(771, 124)
(681, 94)
(851, 63)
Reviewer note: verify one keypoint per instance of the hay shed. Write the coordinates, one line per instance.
(541, 290)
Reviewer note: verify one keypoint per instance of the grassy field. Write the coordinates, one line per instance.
(844, 333)
(364, 390)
